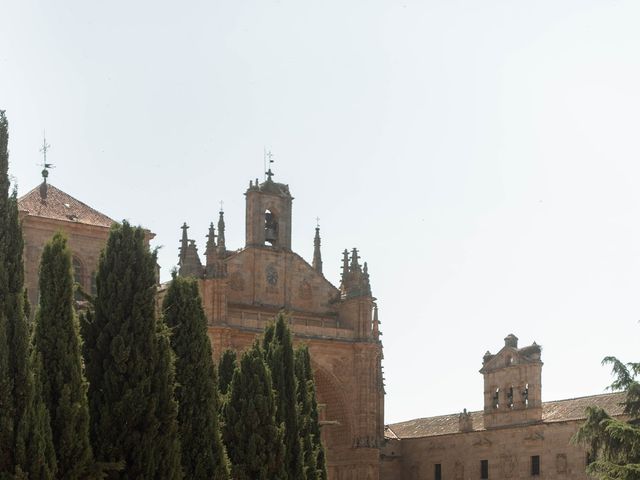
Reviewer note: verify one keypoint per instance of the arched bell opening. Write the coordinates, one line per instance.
(270, 228)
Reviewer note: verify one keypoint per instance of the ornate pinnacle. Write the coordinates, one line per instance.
(317, 256)
(211, 238)
(355, 265)
(184, 242)
(221, 242)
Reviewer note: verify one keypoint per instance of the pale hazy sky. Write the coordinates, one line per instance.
(484, 156)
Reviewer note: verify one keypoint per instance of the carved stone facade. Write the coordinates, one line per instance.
(516, 435)
(244, 289)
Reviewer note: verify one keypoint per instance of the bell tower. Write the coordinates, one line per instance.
(268, 214)
(512, 385)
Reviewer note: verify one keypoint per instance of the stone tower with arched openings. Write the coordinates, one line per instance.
(512, 385)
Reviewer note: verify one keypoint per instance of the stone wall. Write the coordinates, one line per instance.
(508, 450)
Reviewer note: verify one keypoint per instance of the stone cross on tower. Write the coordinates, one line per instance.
(268, 173)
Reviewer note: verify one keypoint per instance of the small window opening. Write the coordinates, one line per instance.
(510, 397)
(270, 228)
(437, 475)
(496, 398)
(525, 395)
(535, 465)
(484, 469)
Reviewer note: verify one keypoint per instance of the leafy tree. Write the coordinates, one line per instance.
(25, 437)
(280, 359)
(253, 437)
(615, 443)
(203, 454)
(312, 448)
(57, 340)
(129, 364)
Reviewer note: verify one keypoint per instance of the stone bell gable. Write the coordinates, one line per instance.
(512, 384)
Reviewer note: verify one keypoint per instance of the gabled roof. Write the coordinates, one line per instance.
(552, 412)
(58, 205)
(511, 355)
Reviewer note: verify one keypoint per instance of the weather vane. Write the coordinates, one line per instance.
(268, 155)
(45, 166)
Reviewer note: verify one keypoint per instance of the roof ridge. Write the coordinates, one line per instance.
(59, 205)
(584, 396)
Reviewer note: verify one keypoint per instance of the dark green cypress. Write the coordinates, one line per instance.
(25, 436)
(280, 359)
(203, 454)
(129, 365)
(253, 437)
(313, 450)
(57, 340)
(226, 367)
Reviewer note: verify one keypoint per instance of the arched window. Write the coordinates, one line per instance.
(270, 228)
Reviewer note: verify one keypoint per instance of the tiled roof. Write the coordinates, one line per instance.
(59, 205)
(556, 411)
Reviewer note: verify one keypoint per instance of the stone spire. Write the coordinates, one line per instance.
(376, 322)
(221, 243)
(317, 256)
(355, 265)
(184, 243)
(189, 263)
(344, 277)
(211, 242)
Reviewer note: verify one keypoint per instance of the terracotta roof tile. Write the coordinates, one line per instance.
(555, 411)
(59, 205)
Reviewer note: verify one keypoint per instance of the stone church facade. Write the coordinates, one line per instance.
(516, 436)
(242, 290)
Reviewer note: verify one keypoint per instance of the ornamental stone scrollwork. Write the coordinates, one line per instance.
(236, 282)
(305, 290)
(271, 275)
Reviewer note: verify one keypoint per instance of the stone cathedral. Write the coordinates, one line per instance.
(243, 289)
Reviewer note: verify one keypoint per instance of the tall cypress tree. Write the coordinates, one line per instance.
(129, 365)
(253, 437)
(57, 340)
(280, 359)
(25, 435)
(203, 454)
(226, 367)
(313, 450)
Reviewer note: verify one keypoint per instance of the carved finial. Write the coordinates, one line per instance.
(221, 241)
(355, 265)
(317, 255)
(184, 242)
(211, 239)
(376, 322)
